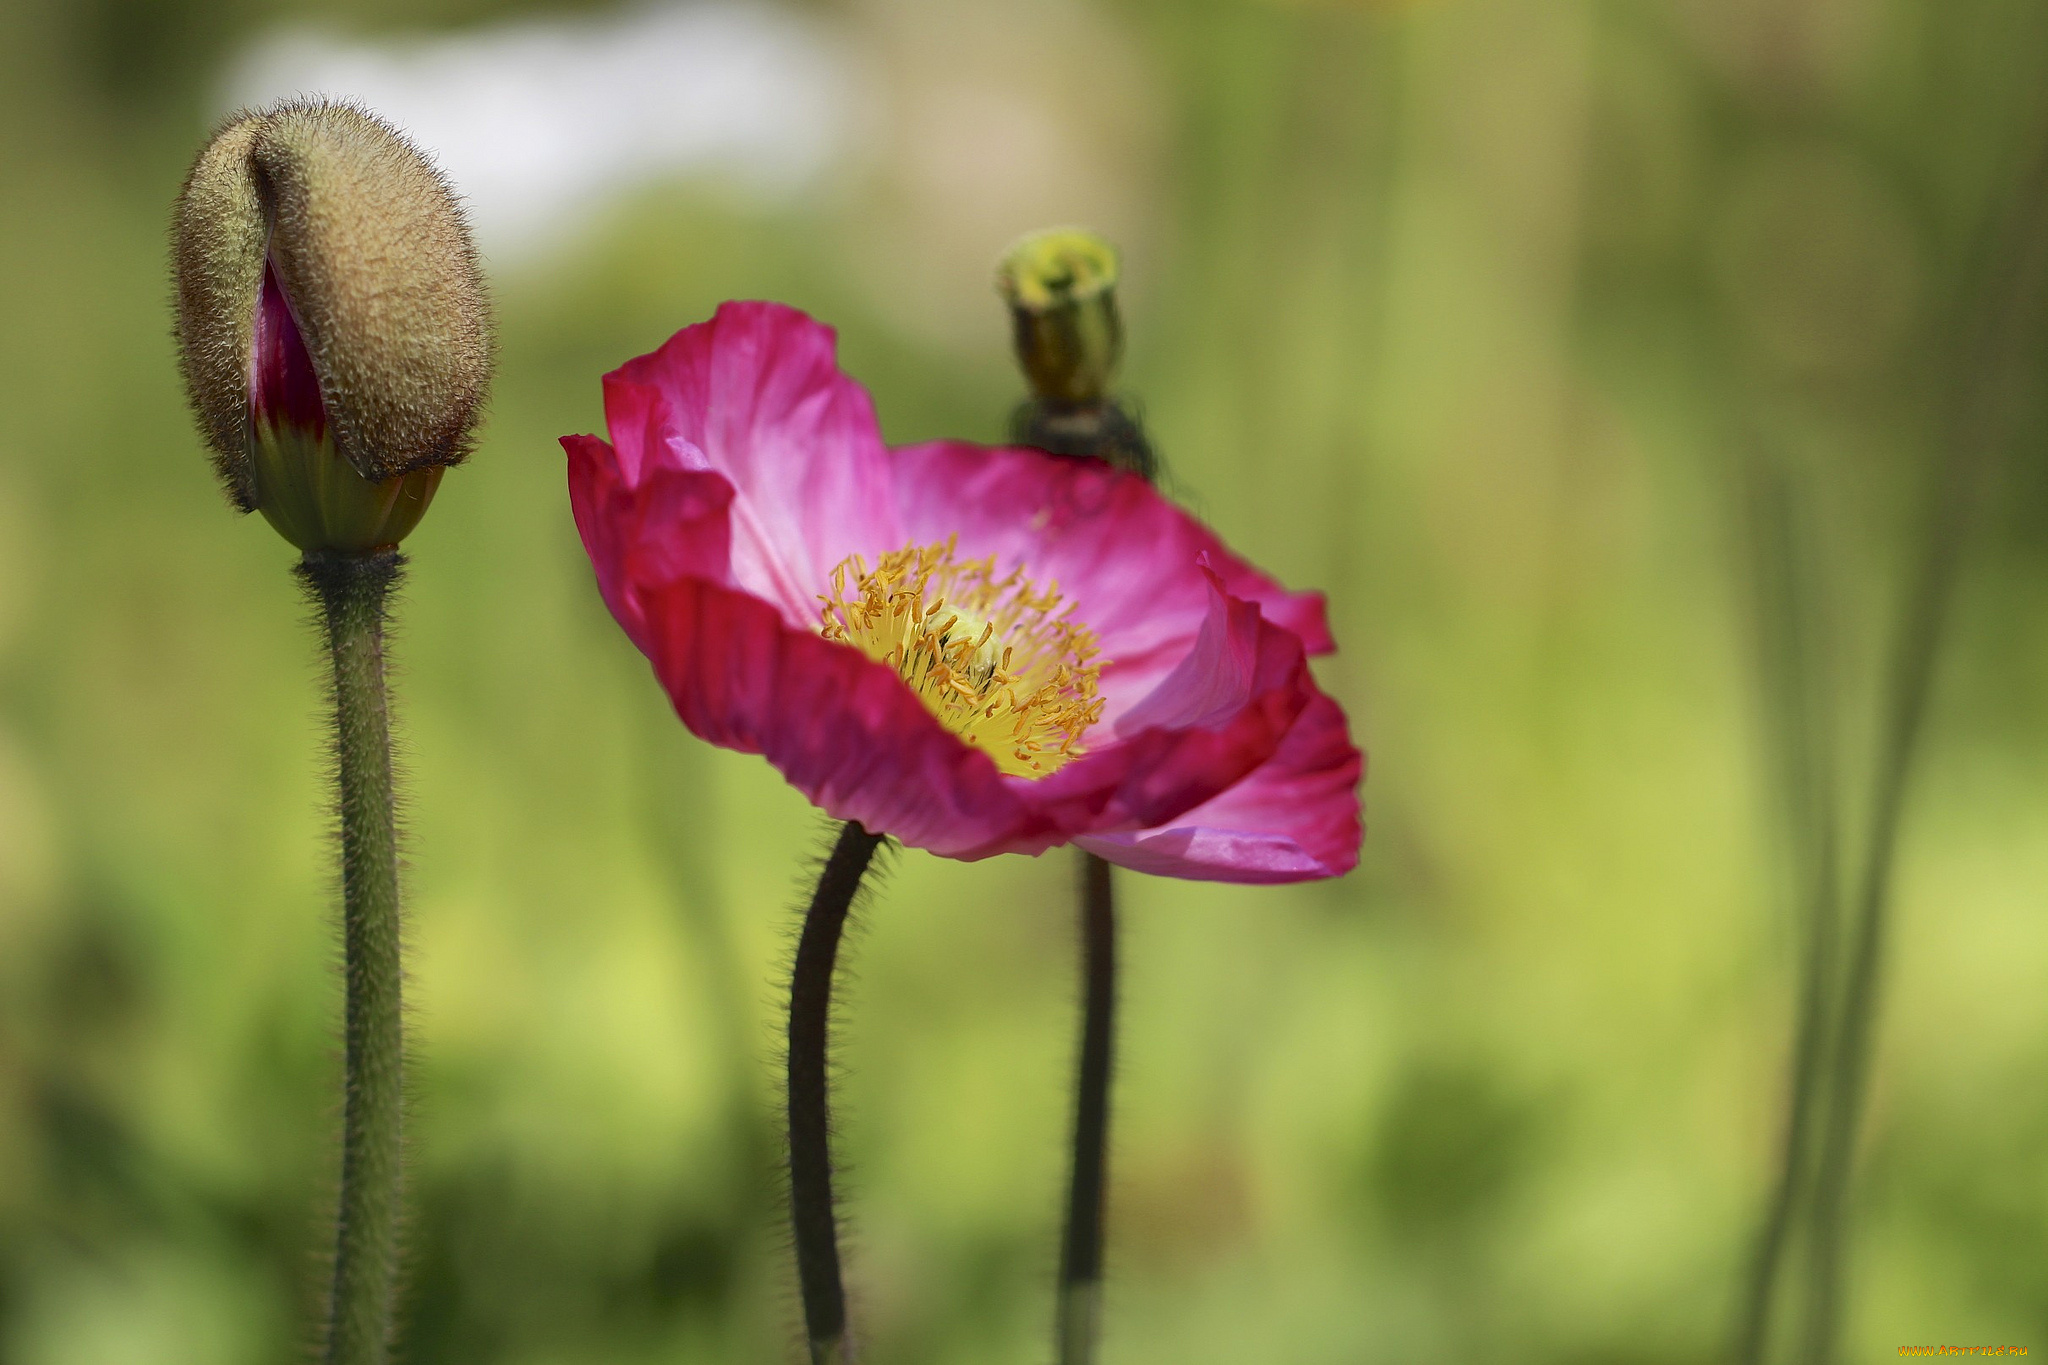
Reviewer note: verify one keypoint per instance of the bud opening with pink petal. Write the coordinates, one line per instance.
(333, 327)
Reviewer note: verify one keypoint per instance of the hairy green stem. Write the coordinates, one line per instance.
(813, 1217)
(352, 591)
(2009, 299)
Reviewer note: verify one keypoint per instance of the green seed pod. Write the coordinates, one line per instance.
(1061, 287)
(332, 322)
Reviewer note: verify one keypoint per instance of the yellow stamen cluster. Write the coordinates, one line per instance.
(996, 659)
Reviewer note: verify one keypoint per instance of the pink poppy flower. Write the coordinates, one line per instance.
(973, 650)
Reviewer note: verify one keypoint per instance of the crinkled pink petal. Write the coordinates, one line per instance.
(843, 729)
(672, 525)
(756, 395)
(1295, 818)
(1244, 683)
(1212, 678)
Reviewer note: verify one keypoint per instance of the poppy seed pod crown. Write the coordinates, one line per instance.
(1061, 288)
(316, 235)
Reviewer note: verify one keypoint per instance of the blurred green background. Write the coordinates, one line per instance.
(1483, 315)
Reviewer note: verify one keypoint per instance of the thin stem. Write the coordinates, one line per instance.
(352, 591)
(1080, 1288)
(1912, 682)
(1106, 432)
(1789, 612)
(2010, 296)
(812, 1214)
(1795, 1171)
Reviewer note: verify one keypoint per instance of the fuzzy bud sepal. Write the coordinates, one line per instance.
(331, 318)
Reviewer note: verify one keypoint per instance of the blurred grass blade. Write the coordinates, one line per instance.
(2006, 305)
(1790, 604)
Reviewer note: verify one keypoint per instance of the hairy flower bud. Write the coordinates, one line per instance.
(1061, 287)
(332, 322)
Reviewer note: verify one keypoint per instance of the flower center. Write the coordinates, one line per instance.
(995, 659)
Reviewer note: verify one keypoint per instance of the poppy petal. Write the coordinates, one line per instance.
(1295, 818)
(757, 395)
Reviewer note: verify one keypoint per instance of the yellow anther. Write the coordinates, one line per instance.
(997, 659)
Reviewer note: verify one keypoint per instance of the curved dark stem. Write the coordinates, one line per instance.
(1081, 1249)
(812, 1216)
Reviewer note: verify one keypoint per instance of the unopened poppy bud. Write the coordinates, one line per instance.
(1061, 288)
(332, 323)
